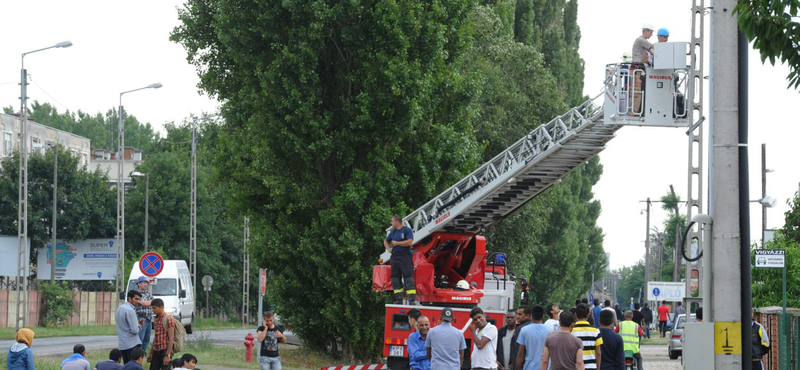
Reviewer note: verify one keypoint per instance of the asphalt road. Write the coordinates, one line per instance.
(63, 345)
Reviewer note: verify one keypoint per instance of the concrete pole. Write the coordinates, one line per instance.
(726, 235)
(646, 250)
(763, 191)
(146, 212)
(55, 213)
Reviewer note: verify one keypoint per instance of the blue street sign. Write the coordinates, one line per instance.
(656, 292)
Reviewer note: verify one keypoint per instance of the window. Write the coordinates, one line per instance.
(8, 143)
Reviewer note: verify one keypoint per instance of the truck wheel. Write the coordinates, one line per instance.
(190, 327)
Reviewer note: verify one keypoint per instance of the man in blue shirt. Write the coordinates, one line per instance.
(417, 353)
(531, 341)
(398, 242)
(445, 344)
(596, 312)
(613, 349)
(128, 326)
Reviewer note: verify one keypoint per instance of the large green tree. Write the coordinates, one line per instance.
(338, 114)
(86, 204)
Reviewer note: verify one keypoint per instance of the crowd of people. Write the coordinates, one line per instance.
(585, 337)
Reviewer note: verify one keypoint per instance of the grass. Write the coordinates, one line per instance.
(62, 331)
(210, 356)
(655, 340)
(73, 331)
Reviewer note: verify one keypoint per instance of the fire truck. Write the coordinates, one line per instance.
(447, 246)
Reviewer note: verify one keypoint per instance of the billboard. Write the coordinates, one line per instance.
(665, 291)
(9, 245)
(90, 259)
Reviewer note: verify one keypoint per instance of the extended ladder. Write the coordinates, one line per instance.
(528, 167)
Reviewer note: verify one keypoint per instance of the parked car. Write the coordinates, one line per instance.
(675, 348)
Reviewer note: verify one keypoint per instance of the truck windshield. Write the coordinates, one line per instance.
(159, 287)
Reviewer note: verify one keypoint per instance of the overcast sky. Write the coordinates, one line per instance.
(124, 45)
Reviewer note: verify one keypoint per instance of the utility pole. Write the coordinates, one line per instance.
(647, 262)
(730, 273)
(55, 213)
(763, 191)
(193, 212)
(246, 275)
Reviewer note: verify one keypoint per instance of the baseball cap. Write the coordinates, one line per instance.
(141, 279)
(447, 314)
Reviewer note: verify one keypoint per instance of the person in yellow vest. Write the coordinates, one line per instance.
(631, 332)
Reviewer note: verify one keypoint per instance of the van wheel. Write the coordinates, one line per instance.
(190, 328)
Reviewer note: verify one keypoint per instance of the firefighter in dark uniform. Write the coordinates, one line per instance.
(398, 242)
(760, 343)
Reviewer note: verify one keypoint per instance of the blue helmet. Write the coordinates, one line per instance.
(663, 32)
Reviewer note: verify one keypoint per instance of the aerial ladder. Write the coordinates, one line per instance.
(448, 247)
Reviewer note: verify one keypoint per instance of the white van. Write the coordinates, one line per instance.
(174, 286)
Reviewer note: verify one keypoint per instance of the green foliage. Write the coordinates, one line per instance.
(773, 28)
(791, 227)
(365, 115)
(630, 283)
(59, 303)
(86, 204)
(768, 283)
(219, 232)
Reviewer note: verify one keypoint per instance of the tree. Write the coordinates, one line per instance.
(772, 26)
(100, 129)
(337, 116)
(219, 240)
(86, 203)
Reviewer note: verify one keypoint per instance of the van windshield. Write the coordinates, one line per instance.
(159, 287)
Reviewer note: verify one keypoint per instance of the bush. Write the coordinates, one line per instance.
(59, 303)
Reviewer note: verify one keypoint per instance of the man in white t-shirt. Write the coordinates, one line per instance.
(484, 341)
(553, 311)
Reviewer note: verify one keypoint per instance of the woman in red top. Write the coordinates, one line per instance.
(663, 313)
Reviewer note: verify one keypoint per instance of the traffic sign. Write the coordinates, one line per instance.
(262, 281)
(771, 258)
(151, 264)
(656, 292)
(207, 281)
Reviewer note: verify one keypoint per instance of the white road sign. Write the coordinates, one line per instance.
(665, 291)
(771, 258)
(9, 245)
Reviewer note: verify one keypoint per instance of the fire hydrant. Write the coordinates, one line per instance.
(248, 345)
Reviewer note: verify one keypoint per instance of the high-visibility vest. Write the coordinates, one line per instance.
(629, 331)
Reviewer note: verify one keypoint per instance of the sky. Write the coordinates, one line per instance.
(124, 45)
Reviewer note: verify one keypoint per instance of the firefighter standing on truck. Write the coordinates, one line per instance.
(398, 242)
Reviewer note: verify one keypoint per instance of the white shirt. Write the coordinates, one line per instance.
(553, 323)
(486, 357)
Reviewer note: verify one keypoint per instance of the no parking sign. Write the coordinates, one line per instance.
(151, 264)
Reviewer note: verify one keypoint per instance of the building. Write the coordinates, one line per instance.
(106, 161)
(39, 137)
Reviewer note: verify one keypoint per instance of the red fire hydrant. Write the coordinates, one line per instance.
(248, 345)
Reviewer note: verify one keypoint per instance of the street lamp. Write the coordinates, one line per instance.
(22, 211)
(146, 205)
(121, 190)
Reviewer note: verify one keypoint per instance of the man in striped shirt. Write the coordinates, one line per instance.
(589, 335)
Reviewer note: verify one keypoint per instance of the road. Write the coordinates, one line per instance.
(654, 357)
(63, 345)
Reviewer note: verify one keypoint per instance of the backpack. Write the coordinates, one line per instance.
(180, 334)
